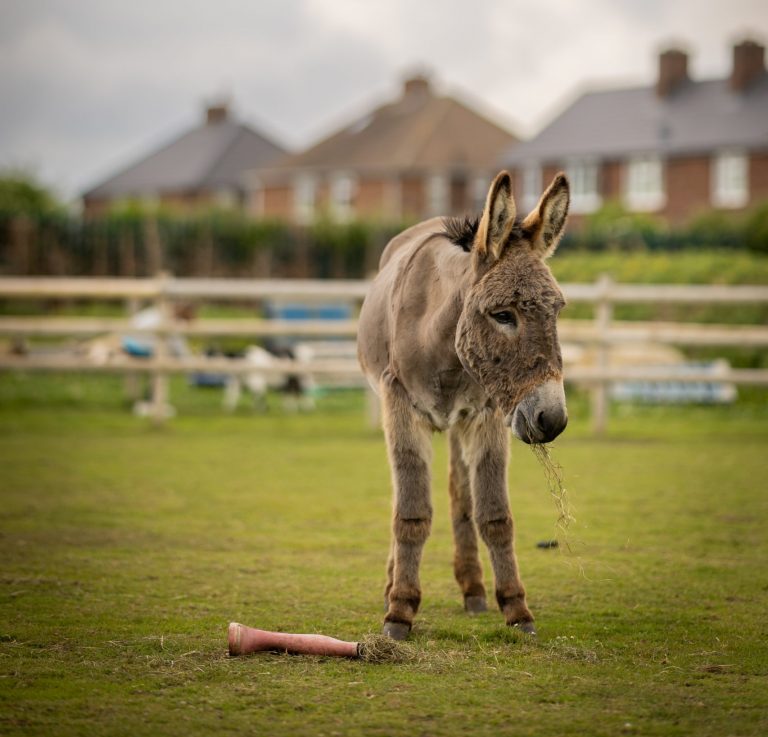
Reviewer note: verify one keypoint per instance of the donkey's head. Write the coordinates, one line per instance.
(507, 333)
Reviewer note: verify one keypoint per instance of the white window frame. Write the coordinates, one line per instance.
(730, 179)
(343, 186)
(438, 194)
(304, 198)
(480, 185)
(583, 176)
(644, 188)
(255, 202)
(531, 189)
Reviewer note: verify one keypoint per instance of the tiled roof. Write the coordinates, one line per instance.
(418, 131)
(697, 117)
(211, 156)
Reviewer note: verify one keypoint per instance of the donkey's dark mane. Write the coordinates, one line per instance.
(461, 230)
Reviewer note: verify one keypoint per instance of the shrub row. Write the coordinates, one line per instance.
(37, 236)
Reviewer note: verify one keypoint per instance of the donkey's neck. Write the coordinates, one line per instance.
(435, 280)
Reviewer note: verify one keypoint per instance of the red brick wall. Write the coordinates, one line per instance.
(459, 201)
(611, 180)
(278, 202)
(758, 177)
(687, 181)
(548, 173)
(413, 197)
(371, 198)
(95, 207)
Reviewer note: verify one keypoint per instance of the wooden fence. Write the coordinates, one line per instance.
(163, 291)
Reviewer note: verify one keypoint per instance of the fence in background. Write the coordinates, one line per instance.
(601, 332)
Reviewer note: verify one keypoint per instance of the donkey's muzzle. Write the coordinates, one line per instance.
(541, 416)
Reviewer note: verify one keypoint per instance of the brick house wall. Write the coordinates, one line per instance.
(611, 180)
(758, 176)
(688, 187)
(370, 200)
(687, 183)
(413, 197)
(276, 202)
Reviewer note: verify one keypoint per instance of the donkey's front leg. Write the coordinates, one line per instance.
(486, 453)
(409, 445)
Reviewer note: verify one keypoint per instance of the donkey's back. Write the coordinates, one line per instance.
(408, 321)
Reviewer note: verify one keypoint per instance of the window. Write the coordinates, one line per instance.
(730, 185)
(531, 186)
(645, 183)
(582, 175)
(342, 196)
(304, 193)
(437, 194)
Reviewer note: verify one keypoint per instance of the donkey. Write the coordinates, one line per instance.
(458, 332)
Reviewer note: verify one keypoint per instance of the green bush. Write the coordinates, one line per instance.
(614, 228)
(756, 229)
(135, 239)
(20, 193)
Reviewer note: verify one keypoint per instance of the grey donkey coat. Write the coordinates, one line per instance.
(458, 333)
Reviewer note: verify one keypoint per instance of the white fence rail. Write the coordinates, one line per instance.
(164, 291)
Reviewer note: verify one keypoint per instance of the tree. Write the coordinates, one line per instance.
(20, 193)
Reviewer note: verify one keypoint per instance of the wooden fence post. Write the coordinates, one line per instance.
(133, 382)
(160, 394)
(603, 316)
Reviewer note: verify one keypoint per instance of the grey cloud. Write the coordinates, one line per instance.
(89, 85)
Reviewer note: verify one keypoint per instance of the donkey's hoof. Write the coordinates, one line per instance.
(396, 630)
(475, 604)
(528, 627)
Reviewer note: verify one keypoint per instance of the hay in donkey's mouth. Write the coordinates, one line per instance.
(553, 473)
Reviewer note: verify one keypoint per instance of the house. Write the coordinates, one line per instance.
(422, 154)
(201, 167)
(675, 148)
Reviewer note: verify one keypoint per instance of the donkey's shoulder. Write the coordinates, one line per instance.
(412, 236)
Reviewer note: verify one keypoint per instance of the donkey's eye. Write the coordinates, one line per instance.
(505, 317)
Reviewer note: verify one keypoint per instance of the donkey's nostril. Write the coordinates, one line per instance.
(551, 423)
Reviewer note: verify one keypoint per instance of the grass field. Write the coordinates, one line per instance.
(126, 550)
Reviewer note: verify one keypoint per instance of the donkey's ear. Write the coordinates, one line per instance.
(498, 218)
(546, 222)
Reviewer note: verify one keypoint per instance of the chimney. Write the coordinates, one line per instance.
(416, 86)
(748, 64)
(216, 114)
(673, 71)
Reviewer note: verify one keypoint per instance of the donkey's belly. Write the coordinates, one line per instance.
(451, 397)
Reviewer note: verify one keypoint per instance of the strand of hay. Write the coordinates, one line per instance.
(553, 473)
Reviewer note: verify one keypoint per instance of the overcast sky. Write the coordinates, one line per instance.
(87, 86)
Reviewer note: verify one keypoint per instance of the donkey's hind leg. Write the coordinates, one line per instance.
(410, 449)
(466, 561)
(486, 451)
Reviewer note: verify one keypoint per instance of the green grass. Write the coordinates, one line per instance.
(126, 550)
